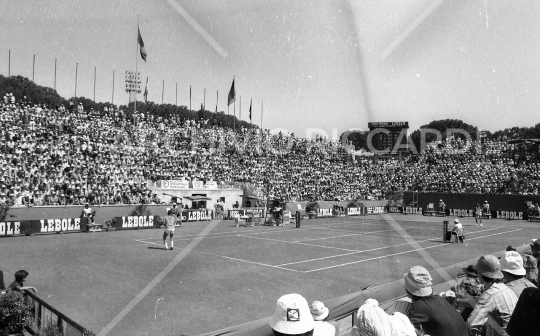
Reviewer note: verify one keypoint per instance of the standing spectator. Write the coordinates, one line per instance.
(431, 313)
(497, 302)
(486, 211)
(18, 284)
(292, 317)
(514, 273)
(320, 315)
(478, 214)
(524, 320)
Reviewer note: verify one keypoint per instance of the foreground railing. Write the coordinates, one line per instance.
(44, 313)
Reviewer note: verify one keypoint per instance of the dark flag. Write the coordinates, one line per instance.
(250, 109)
(141, 45)
(146, 92)
(232, 94)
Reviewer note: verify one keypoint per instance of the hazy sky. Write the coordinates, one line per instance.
(316, 64)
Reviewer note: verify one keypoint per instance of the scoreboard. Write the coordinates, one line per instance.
(388, 134)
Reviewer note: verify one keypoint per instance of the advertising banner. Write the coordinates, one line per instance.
(236, 212)
(197, 215)
(174, 184)
(211, 185)
(29, 227)
(375, 210)
(354, 211)
(136, 222)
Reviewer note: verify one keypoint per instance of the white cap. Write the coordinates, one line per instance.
(319, 311)
(292, 315)
(512, 263)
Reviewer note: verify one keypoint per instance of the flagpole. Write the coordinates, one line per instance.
(204, 100)
(112, 95)
(136, 65)
(33, 67)
(234, 106)
(176, 94)
(95, 70)
(55, 74)
(217, 99)
(262, 106)
(190, 97)
(240, 110)
(76, 70)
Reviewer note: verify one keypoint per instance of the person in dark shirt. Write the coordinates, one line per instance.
(18, 284)
(431, 313)
(524, 319)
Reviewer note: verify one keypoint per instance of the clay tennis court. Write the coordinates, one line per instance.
(219, 275)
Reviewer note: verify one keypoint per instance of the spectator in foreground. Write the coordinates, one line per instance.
(526, 315)
(292, 316)
(320, 315)
(531, 264)
(371, 320)
(497, 302)
(18, 284)
(468, 292)
(430, 313)
(514, 273)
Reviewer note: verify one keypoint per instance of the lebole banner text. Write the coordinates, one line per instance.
(28, 227)
(151, 221)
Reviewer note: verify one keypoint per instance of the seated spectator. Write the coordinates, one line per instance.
(457, 230)
(292, 317)
(430, 313)
(88, 213)
(514, 273)
(524, 319)
(320, 315)
(18, 284)
(468, 291)
(371, 320)
(496, 303)
(236, 205)
(530, 262)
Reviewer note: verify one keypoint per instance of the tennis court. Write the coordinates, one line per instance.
(219, 275)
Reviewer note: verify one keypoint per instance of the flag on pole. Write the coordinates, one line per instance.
(146, 91)
(232, 94)
(141, 45)
(250, 109)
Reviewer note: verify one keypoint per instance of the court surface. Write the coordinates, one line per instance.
(219, 275)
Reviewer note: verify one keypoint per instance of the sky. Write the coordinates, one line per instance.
(317, 65)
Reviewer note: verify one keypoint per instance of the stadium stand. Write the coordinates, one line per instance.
(70, 156)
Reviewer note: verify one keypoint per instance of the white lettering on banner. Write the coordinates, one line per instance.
(394, 210)
(325, 212)
(175, 184)
(60, 225)
(369, 210)
(461, 213)
(354, 211)
(10, 228)
(211, 185)
(137, 221)
(413, 210)
(510, 214)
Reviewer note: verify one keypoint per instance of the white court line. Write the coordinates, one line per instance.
(155, 281)
(250, 262)
(142, 241)
(348, 235)
(375, 249)
(274, 230)
(346, 254)
(290, 242)
(394, 254)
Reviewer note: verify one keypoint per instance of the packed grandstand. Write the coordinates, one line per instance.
(76, 155)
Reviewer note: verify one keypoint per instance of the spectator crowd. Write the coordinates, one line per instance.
(495, 298)
(72, 156)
